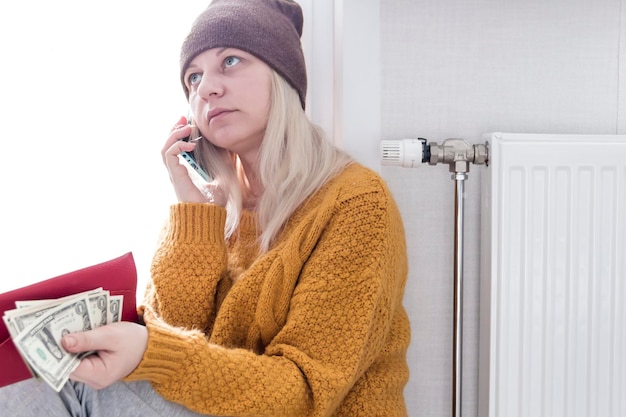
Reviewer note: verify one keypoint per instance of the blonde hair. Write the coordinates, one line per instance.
(295, 160)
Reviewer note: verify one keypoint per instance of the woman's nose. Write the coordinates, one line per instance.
(210, 86)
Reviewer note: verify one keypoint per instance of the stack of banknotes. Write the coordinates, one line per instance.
(37, 327)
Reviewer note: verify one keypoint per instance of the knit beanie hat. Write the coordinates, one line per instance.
(267, 29)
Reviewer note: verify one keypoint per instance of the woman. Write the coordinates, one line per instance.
(277, 288)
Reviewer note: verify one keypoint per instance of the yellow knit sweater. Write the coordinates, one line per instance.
(314, 327)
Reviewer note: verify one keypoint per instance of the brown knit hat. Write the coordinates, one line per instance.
(268, 29)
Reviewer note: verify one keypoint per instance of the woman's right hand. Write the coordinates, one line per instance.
(184, 187)
(119, 348)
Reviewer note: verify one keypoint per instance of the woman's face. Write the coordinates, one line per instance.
(230, 96)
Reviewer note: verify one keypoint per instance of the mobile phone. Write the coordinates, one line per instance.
(191, 161)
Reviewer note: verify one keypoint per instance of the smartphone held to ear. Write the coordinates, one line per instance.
(191, 161)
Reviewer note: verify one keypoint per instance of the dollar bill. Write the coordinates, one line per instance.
(13, 333)
(37, 326)
(115, 308)
(28, 311)
(23, 304)
(40, 342)
(99, 308)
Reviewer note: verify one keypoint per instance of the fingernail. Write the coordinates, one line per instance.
(181, 122)
(70, 341)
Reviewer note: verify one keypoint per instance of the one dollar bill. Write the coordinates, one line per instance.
(37, 327)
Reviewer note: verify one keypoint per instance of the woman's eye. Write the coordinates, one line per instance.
(195, 78)
(231, 61)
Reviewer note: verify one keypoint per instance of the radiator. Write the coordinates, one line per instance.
(553, 276)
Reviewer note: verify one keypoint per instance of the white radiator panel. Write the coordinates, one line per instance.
(553, 277)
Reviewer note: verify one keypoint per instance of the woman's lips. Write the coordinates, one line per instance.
(216, 114)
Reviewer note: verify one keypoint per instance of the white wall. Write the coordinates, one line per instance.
(341, 42)
(458, 68)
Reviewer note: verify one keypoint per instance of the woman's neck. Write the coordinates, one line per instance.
(251, 186)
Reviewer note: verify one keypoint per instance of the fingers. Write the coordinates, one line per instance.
(85, 341)
(184, 187)
(178, 132)
(82, 342)
(92, 366)
(118, 347)
(181, 122)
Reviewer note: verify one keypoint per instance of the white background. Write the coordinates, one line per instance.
(88, 94)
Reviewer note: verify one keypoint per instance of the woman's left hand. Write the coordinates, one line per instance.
(119, 347)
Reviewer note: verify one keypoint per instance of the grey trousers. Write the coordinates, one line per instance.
(33, 398)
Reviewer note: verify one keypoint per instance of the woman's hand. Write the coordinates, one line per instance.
(119, 347)
(184, 187)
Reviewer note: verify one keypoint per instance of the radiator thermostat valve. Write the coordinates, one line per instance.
(407, 153)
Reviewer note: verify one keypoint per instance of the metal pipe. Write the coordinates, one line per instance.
(457, 360)
(458, 154)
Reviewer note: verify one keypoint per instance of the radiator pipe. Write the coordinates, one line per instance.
(458, 154)
(457, 360)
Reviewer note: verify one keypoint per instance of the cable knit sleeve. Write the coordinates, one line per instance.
(188, 265)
